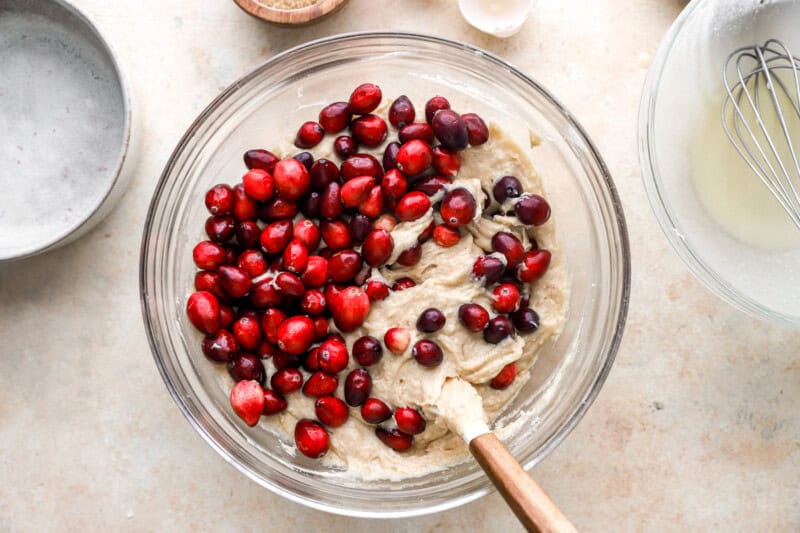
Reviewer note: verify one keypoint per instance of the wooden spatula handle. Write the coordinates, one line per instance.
(533, 507)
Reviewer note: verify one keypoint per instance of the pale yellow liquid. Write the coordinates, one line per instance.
(729, 190)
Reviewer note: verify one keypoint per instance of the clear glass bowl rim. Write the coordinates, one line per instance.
(624, 267)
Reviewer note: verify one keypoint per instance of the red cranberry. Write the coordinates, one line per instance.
(235, 281)
(283, 360)
(367, 350)
(295, 256)
(219, 199)
(277, 209)
(505, 377)
(431, 320)
(345, 146)
(533, 266)
(365, 98)
(258, 184)
(361, 165)
(411, 256)
(220, 228)
(397, 340)
(360, 226)
(375, 411)
(498, 329)
(321, 327)
(331, 202)
(276, 236)
(266, 350)
(307, 233)
(208, 255)
(336, 234)
(458, 207)
(526, 320)
(473, 316)
(202, 308)
(412, 205)
(394, 439)
(401, 112)
(295, 335)
(409, 420)
(376, 290)
(385, 222)
(449, 128)
(247, 401)
(427, 353)
(286, 380)
(344, 265)
(305, 159)
(333, 356)
(262, 159)
(477, 130)
(209, 281)
(390, 155)
(507, 187)
(290, 284)
(311, 205)
(335, 117)
(331, 411)
(488, 268)
(402, 284)
(274, 403)
(270, 322)
(350, 308)
(246, 367)
(532, 210)
(356, 190)
(394, 185)
(221, 346)
(244, 207)
(252, 263)
(446, 162)
(313, 303)
(377, 247)
(291, 179)
(320, 384)
(510, 246)
(446, 236)
(505, 298)
(231, 253)
(433, 105)
(316, 272)
(226, 316)
(247, 234)
(248, 333)
(264, 294)
(414, 157)
(322, 173)
(430, 185)
(420, 131)
(357, 387)
(369, 130)
(311, 438)
(372, 207)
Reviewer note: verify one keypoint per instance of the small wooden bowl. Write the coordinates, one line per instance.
(290, 17)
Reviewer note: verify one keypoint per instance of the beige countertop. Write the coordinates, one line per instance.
(697, 428)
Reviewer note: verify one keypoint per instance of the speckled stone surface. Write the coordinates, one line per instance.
(697, 428)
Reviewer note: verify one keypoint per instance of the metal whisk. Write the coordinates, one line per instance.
(766, 88)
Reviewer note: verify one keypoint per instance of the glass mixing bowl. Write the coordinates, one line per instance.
(262, 109)
(682, 94)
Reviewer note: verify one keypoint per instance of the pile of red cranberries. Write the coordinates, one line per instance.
(292, 247)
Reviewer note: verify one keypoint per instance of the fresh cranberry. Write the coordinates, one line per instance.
(375, 411)
(202, 308)
(390, 155)
(412, 205)
(357, 387)
(265, 294)
(401, 112)
(331, 202)
(235, 281)
(367, 350)
(274, 403)
(311, 359)
(498, 329)
(208, 255)
(247, 332)
(286, 380)
(394, 185)
(313, 303)
(311, 438)
(345, 146)
(361, 165)
(477, 130)
(402, 284)
(409, 420)
(431, 320)
(290, 284)
(397, 340)
(431, 185)
(446, 162)
(231, 254)
(316, 272)
(372, 207)
(365, 98)
(356, 190)
(507, 187)
(266, 350)
(458, 208)
(244, 207)
(282, 360)
(304, 158)
(335, 117)
(385, 222)
(394, 439)
(263, 159)
(219, 199)
(258, 184)
(277, 209)
(377, 247)
(510, 246)
(446, 236)
(336, 234)
(369, 130)
(247, 401)
(505, 298)
(270, 322)
(321, 326)
(505, 377)
(344, 265)
(311, 205)
(247, 234)
(414, 157)
(532, 210)
(307, 233)
(295, 257)
(291, 179)
(420, 131)
(333, 356)
(376, 290)
(473, 316)
(252, 263)
(331, 411)
(433, 105)
(488, 268)
(410, 256)
(226, 316)
(320, 384)
(246, 366)
(360, 226)
(427, 353)
(276, 236)
(295, 335)
(525, 319)
(221, 346)
(533, 266)
(220, 228)
(350, 309)
(450, 129)
(322, 173)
